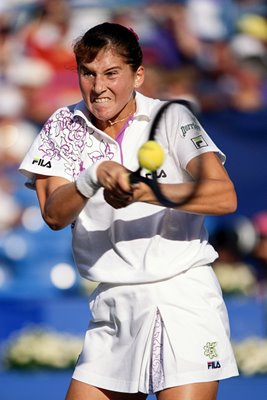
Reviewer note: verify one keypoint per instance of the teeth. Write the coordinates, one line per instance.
(102, 100)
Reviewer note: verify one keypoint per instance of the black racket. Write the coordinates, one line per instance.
(153, 181)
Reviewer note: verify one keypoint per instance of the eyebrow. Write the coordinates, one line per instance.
(107, 70)
(111, 68)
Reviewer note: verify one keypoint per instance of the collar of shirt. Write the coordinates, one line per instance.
(144, 108)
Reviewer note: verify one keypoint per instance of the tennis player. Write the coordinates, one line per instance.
(159, 323)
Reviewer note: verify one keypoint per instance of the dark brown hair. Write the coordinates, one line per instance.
(124, 41)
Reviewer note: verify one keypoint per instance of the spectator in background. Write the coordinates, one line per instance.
(205, 32)
(47, 35)
(154, 83)
(181, 83)
(34, 78)
(259, 254)
(234, 241)
(10, 210)
(48, 72)
(156, 38)
(5, 30)
(16, 134)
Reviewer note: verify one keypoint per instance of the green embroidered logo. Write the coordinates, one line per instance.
(210, 350)
(199, 142)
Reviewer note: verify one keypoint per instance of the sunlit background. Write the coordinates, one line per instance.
(212, 52)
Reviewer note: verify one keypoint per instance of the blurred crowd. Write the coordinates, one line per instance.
(213, 52)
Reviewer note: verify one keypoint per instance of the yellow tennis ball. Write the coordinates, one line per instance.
(151, 155)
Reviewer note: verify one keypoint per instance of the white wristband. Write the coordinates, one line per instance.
(87, 183)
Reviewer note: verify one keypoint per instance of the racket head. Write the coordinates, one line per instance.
(152, 181)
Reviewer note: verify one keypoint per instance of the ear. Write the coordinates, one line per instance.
(139, 77)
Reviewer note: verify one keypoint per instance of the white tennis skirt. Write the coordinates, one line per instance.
(148, 337)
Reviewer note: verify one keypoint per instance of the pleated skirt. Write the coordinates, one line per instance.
(148, 337)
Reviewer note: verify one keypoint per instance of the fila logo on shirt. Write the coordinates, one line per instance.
(41, 162)
(161, 174)
(213, 364)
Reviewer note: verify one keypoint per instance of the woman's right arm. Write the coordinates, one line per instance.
(59, 200)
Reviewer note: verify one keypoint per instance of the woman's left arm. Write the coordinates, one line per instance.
(215, 195)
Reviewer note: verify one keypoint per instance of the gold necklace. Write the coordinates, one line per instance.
(111, 123)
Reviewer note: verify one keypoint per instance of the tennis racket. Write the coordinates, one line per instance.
(152, 181)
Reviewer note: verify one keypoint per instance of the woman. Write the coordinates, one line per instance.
(159, 324)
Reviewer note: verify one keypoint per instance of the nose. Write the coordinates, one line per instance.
(99, 84)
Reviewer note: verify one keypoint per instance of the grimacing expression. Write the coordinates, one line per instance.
(107, 84)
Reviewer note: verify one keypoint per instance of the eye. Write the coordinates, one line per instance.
(112, 74)
(86, 73)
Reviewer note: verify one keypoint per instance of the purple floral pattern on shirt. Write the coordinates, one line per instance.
(104, 151)
(68, 137)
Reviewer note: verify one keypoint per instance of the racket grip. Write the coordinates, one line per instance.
(153, 184)
(135, 177)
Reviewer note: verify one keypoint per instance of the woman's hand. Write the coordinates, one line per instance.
(115, 180)
(118, 192)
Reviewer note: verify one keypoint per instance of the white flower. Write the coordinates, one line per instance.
(235, 278)
(251, 356)
(42, 348)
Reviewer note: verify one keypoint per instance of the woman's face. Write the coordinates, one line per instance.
(107, 84)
